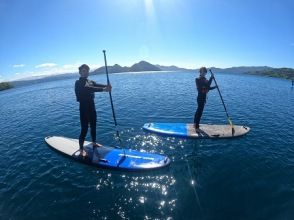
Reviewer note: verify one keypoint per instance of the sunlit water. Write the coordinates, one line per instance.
(251, 177)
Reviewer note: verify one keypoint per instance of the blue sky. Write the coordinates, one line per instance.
(50, 37)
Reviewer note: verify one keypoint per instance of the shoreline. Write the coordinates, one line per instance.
(282, 73)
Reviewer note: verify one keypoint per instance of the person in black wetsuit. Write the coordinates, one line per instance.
(85, 90)
(203, 87)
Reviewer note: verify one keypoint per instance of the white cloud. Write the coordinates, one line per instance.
(18, 65)
(71, 66)
(94, 66)
(49, 69)
(54, 69)
(76, 66)
(46, 65)
(21, 75)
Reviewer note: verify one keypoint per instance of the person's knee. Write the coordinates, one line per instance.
(84, 130)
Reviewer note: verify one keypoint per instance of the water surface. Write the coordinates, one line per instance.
(245, 178)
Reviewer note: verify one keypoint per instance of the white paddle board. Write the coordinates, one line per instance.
(108, 157)
(189, 131)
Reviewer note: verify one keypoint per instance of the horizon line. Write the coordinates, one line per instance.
(64, 72)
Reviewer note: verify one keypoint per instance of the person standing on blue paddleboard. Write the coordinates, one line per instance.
(203, 87)
(85, 89)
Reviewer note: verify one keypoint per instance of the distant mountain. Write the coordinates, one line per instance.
(286, 73)
(143, 66)
(137, 67)
(235, 70)
(41, 79)
(241, 69)
(111, 69)
(172, 68)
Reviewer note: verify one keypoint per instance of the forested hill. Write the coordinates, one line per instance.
(5, 85)
(286, 73)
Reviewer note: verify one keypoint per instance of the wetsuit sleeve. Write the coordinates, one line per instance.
(198, 84)
(95, 87)
(77, 90)
(98, 84)
(209, 83)
(210, 80)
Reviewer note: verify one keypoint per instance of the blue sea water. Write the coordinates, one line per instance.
(251, 177)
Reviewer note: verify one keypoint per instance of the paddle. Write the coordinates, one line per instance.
(228, 117)
(113, 113)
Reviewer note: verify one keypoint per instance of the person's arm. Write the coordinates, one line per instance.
(210, 81)
(198, 86)
(98, 84)
(77, 91)
(212, 87)
(95, 87)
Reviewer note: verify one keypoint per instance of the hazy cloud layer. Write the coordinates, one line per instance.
(46, 65)
(18, 65)
(48, 69)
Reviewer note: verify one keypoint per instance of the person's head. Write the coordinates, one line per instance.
(84, 70)
(203, 71)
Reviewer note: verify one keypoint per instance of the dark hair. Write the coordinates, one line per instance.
(203, 69)
(84, 66)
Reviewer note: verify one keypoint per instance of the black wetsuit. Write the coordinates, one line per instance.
(84, 90)
(203, 86)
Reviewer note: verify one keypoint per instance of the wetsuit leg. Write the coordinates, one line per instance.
(84, 127)
(199, 112)
(93, 121)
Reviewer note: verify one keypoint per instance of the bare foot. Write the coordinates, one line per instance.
(83, 153)
(96, 144)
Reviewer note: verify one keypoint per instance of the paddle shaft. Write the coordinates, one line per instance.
(108, 83)
(220, 96)
(222, 100)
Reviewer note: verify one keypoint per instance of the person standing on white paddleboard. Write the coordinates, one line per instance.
(203, 87)
(84, 90)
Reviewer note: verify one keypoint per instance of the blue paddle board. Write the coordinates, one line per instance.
(108, 157)
(189, 131)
